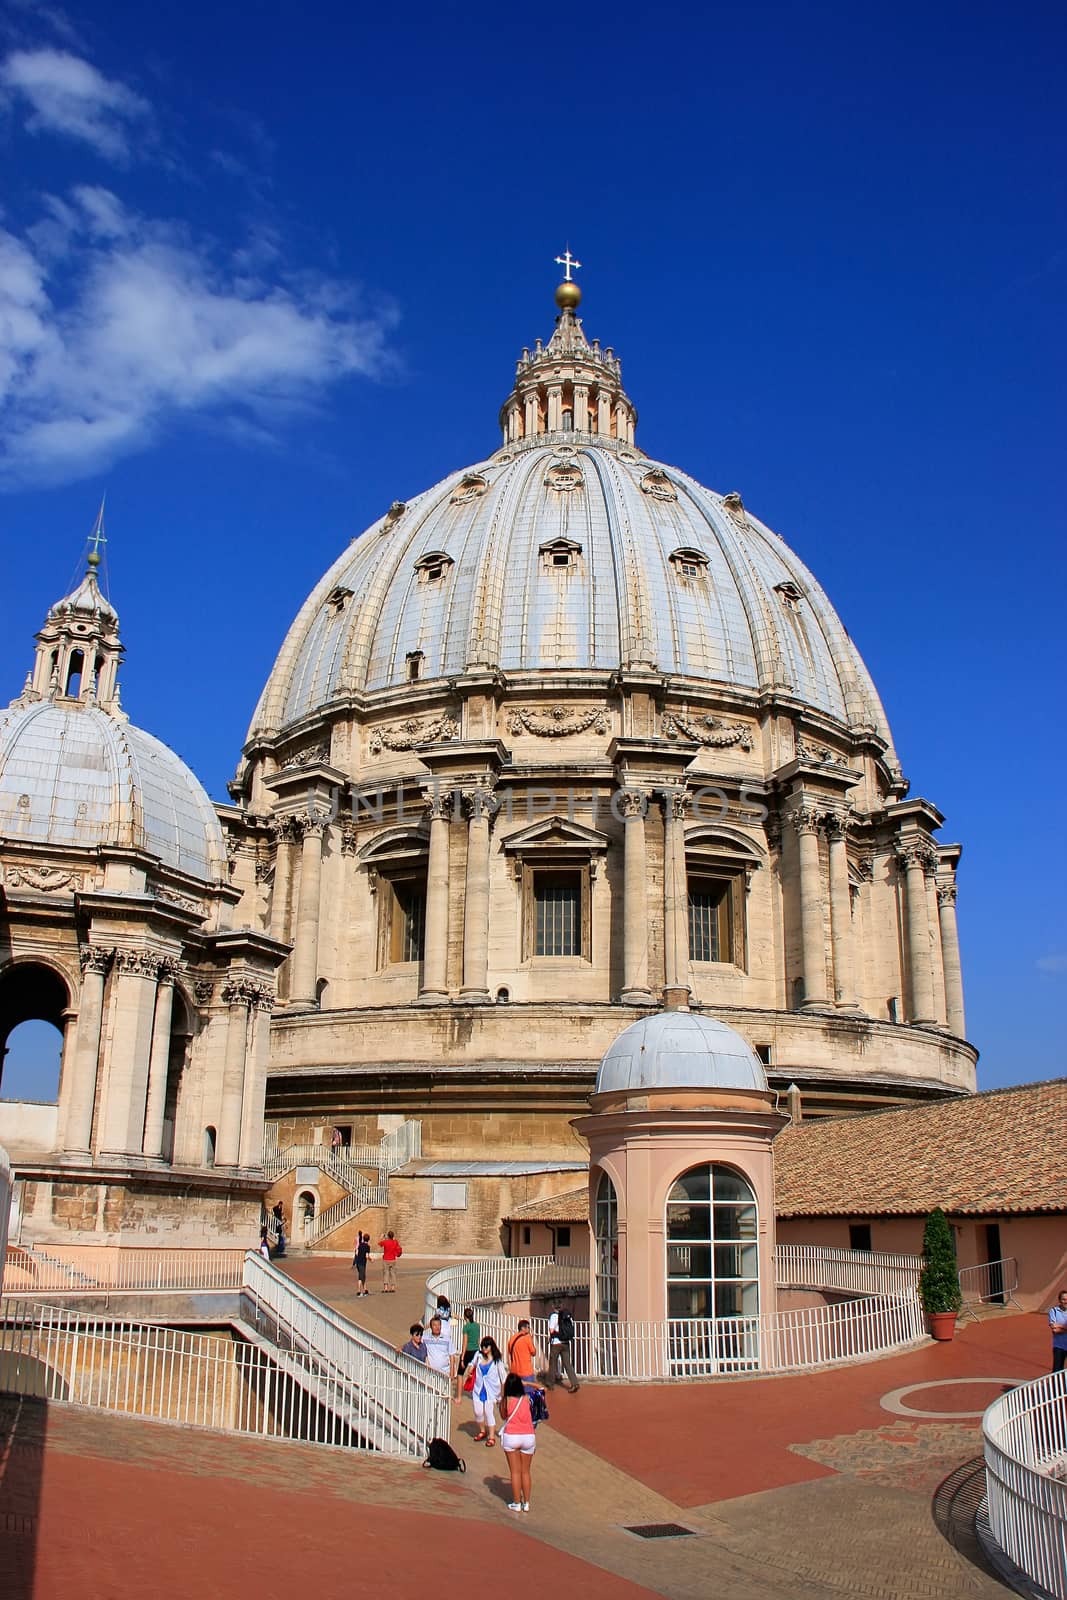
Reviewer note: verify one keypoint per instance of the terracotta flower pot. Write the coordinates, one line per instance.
(942, 1324)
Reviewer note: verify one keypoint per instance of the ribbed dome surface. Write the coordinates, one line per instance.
(679, 1050)
(752, 616)
(73, 774)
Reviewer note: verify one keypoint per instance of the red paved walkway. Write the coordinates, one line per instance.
(697, 1443)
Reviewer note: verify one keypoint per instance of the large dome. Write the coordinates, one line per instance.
(559, 555)
(74, 774)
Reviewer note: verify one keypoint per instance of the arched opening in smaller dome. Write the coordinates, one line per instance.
(606, 1241)
(75, 668)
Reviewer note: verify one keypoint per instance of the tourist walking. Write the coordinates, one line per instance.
(490, 1375)
(278, 1213)
(415, 1348)
(518, 1439)
(440, 1355)
(359, 1261)
(561, 1348)
(522, 1352)
(392, 1250)
(471, 1339)
(444, 1311)
(1057, 1321)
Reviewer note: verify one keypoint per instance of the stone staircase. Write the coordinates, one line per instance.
(344, 1164)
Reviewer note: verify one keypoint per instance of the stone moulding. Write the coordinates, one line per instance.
(44, 878)
(710, 731)
(308, 755)
(412, 731)
(556, 723)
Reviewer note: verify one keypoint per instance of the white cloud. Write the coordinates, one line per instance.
(1055, 964)
(67, 95)
(111, 326)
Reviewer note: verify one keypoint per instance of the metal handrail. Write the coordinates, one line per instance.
(1024, 1436)
(989, 1283)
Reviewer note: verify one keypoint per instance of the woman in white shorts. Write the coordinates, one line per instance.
(489, 1375)
(519, 1440)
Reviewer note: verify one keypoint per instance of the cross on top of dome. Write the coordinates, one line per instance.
(568, 386)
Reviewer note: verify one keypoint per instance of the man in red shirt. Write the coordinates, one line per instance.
(391, 1251)
(522, 1352)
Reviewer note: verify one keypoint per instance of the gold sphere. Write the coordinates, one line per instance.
(568, 296)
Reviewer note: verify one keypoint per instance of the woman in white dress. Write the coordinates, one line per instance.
(490, 1374)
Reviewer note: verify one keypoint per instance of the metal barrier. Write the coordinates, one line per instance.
(297, 1371)
(885, 1315)
(990, 1283)
(87, 1268)
(1025, 1446)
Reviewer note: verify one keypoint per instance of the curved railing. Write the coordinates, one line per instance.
(1025, 1444)
(882, 1314)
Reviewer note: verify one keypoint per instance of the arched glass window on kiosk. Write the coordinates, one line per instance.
(713, 1270)
(607, 1251)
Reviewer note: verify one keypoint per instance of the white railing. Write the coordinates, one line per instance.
(872, 1323)
(805, 1266)
(302, 1372)
(398, 1404)
(90, 1268)
(404, 1144)
(989, 1283)
(349, 1205)
(1025, 1443)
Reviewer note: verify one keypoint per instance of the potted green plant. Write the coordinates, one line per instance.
(939, 1284)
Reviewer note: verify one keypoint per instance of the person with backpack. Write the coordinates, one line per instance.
(561, 1348)
(519, 1440)
(392, 1250)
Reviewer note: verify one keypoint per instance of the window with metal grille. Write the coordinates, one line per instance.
(558, 914)
(408, 921)
(710, 922)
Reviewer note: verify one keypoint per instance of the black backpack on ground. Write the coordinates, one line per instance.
(565, 1328)
(442, 1457)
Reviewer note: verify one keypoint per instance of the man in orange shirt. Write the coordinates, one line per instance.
(522, 1352)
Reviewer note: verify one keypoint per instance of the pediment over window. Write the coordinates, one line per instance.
(556, 833)
(555, 841)
(395, 847)
(728, 844)
(433, 565)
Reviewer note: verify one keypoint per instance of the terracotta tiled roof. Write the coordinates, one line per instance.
(1002, 1151)
(570, 1207)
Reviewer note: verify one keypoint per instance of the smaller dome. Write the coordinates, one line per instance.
(679, 1050)
(72, 773)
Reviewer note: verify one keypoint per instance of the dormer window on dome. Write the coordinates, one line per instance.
(689, 563)
(432, 567)
(559, 555)
(470, 487)
(789, 595)
(338, 598)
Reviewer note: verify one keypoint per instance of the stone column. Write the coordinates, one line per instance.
(159, 1060)
(283, 877)
(812, 944)
(914, 858)
(841, 936)
(477, 804)
(125, 1099)
(238, 994)
(79, 1122)
(635, 990)
(555, 407)
(581, 408)
(67, 1054)
(255, 1077)
(531, 415)
(303, 989)
(675, 903)
(950, 954)
(434, 989)
(937, 966)
(603, 414)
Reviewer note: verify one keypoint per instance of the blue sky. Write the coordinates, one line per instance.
(264, 271)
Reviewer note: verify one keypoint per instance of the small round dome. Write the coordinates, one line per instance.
(679, 1050)
(74, 774)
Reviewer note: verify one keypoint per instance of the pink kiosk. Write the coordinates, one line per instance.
(680, 1131)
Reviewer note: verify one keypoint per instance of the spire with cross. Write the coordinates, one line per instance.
(567, 261)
